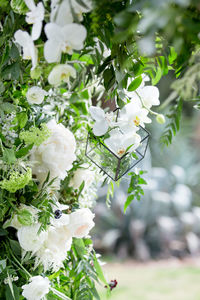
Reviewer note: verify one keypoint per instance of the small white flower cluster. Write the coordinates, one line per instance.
(63, 35)
(123, 131)
(50, 247)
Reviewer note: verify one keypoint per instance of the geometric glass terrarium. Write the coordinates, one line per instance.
(113, 165)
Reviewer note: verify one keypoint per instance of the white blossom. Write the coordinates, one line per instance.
(35, 16)
(61, 12)
(56, 154)
(102, 120)
(61, 73)
(37, 288)
(55, 247)
(80, 176)
(80, 9)
(132, 116)
(29, 50)
(81, 222)
(35, 95)
(63, 39)
(119, 142)
(29, 239)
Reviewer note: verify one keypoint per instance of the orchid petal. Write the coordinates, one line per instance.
(52, 51)
(30, 4)
(75, 35)
(100, 128)
(36, 30)
(97, 113)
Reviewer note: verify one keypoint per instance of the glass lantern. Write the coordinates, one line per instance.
(115, 167)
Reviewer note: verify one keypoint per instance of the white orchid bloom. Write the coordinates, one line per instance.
(35, 16)
(63, 39)
(61, 73)
(102, 120)
(149, 96)
(119, 142)
(61, 12)
(132, 116)
(80, 9)
(29, 50)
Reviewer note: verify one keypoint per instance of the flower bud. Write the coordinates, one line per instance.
(36, 73)
(160, 119)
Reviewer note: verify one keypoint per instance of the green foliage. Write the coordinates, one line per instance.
(134, 191)
(35, 135)
(174, 123)
(16, 180)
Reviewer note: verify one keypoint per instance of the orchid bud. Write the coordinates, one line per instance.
(160, 119)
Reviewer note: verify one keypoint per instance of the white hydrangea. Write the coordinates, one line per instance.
(37, 288)
(56, 154)
(35, 95)
(81, 222)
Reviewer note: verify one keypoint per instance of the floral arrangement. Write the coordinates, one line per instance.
(58, 59)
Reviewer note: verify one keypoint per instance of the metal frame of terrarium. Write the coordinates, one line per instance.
(117, 175)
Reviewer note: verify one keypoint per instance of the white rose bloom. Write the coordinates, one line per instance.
(29, 50)
(81, 175)
(81, 222)
(119, 142)
(35, 16)
(35, 95)
(29, 239)
(55, 248)
(61, 73)
(37, 288)
(56, 154)
(63, 39)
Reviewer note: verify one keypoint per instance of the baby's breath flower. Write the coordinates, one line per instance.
(35, 135)
(16, 180)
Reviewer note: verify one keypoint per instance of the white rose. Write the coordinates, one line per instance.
(81, 222)
(36, 289)
(56, 154)
(81, 175)
(55, 248)
(29, 238)
(61, 73)
(35, 95)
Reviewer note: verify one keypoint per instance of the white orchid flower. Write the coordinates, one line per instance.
(102, 120)
(61, 73)
(63, 39)
(61, 12)
(149, 96)
(28, 47)
(35, 16)
(80, 9)
(118, 142)
(132, 116)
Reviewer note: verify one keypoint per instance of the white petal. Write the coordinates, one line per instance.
(30, 4)
(100, 128)
(150, 96)
(36, 30)
(22, 37)
(53, 31)
(97, 113)
(75, 34)
(52, 51)
(61, 14)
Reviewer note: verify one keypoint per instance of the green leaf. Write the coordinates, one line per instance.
(22, 119)
(9, 155)
(128, 202)
(172, 56)
(79, 246)
(109, 78)
(23, 151)
(135, 84)
(99, 270)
